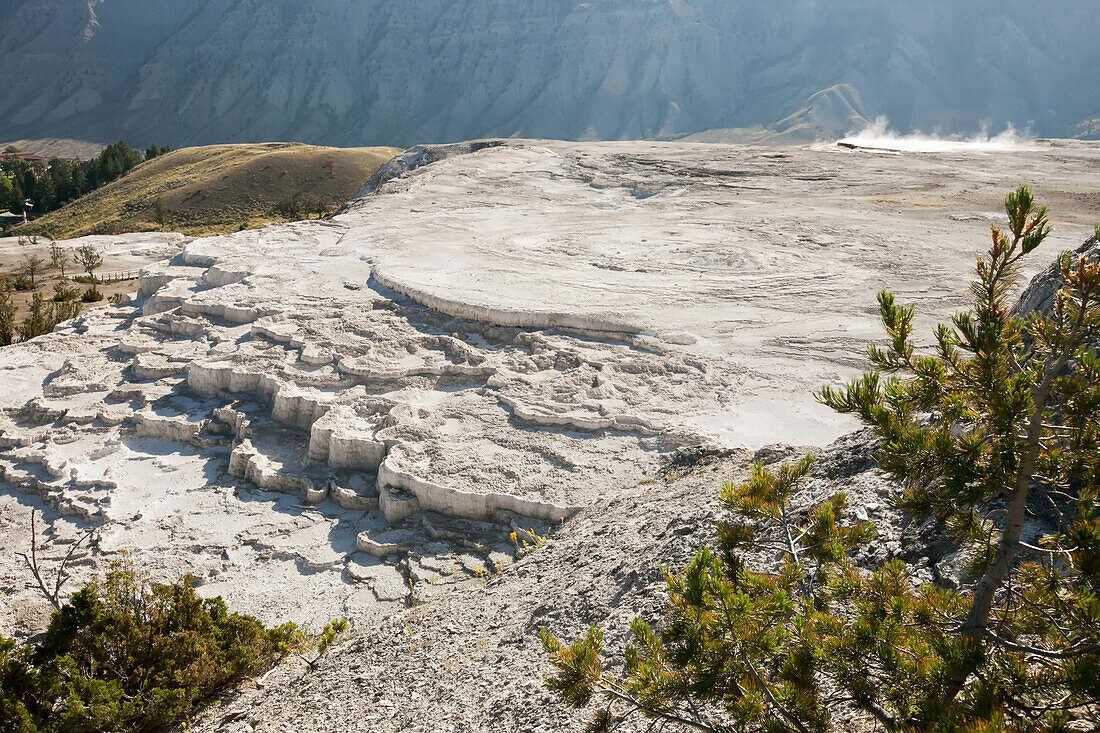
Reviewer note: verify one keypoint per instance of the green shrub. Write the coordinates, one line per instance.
(91, 295)
(40, 320)
(7, 314)
(64, 310)
(87, 280)
(63, 291)
(160, 213)
(22, 283)
(126, 654)
(302, 205)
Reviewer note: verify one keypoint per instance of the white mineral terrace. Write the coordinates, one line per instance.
(318, 419)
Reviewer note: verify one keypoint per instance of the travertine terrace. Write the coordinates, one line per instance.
(335, 417)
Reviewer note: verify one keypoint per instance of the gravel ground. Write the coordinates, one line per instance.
(471, 660)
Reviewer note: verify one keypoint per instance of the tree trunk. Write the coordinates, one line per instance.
(977, 620)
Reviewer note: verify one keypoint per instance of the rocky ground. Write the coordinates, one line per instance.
(493, 348)
(471, 660)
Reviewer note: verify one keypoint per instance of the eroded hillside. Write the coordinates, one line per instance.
(359, 72)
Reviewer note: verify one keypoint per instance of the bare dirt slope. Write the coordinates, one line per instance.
(215, 189)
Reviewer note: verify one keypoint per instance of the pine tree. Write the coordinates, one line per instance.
(1004, 415)
(80, 181)
(18, 196)
(32, 265)
(39, 321)
(160, 213)
(90, 260)
(30, 184)
(45, 194)
(7, 192)
(154, 151)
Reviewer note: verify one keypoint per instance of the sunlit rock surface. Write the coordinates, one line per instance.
(341, 417)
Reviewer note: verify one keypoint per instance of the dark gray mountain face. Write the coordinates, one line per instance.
(351, 72)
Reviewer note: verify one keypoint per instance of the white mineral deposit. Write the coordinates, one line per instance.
(316, 418)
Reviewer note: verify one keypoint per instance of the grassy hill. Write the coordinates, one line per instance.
(216, 189)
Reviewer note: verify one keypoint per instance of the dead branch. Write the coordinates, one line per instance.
(32, 563)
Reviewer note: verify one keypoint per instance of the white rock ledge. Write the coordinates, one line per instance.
(502, 316)
(433, 497)
(589, 423)
(290, 404)
(337, 439)
(248, 463)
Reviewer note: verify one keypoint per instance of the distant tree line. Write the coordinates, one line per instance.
(52, 184)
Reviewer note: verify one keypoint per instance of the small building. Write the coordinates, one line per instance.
(8, 219)
(29, 157)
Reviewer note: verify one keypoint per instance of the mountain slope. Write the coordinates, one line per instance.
(215, 189)
(830, 113)
(352, 72)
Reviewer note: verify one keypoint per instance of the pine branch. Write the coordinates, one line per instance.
(617, 692)
(790, 719)
(1078, 650)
